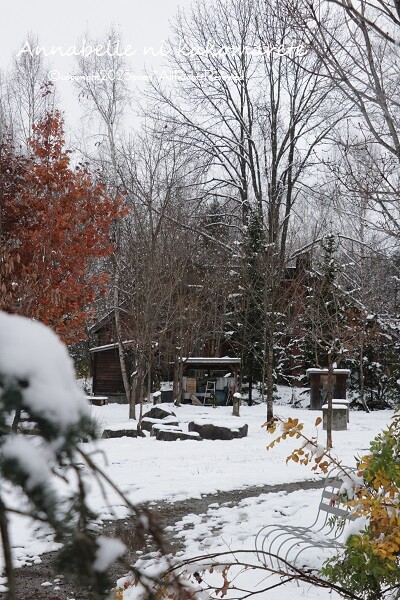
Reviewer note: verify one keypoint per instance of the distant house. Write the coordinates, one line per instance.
(107, 377)
(105, 363)
(106, 369)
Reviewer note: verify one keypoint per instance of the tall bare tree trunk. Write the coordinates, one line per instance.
(119, 333)
(329, 398)
(132, 398)
(362, 378)
(270, 381)
(177, 383)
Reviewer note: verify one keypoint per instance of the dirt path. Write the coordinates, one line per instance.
(30, 580)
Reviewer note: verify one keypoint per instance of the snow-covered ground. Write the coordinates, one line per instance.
(148, 470)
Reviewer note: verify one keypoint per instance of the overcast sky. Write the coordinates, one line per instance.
(61, 24)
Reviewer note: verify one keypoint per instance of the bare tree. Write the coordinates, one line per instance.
(173, 295)
(363, 64)
(102, 90)
(30, 93)
(253, 118)
(380, 16)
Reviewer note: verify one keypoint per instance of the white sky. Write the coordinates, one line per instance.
(142, 23)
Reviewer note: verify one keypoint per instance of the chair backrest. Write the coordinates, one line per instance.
(331, 501)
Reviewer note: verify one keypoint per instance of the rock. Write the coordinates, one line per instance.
(209, 431)
(148, 423)
(117, 433)
(160, 426)
(170, 421)
(158, 413)
(166, 435)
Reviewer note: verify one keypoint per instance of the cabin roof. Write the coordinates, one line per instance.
(323, 371)
(110, 346)
(223, 360)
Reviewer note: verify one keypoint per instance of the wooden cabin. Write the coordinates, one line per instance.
(106, 371)
(105, 364)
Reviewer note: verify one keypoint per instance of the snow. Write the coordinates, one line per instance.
(234, 423)
(336, 371)
(355, 527)
(161, 427)
(109, 549)
(32, 352)
(154, 470)
(33, 460)
(165, 421)
(110, 346)
(149, 471)
(232, 528)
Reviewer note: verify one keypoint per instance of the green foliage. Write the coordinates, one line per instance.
(360, 570)
(382, 374)
(370, 565)
(79, 353)
(327, 318)
(45, 465)
(251, 333)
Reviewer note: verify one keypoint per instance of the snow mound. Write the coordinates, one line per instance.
(31, 352)
(108, 551)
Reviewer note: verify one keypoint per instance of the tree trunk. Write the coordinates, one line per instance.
(149, 383)
(329, 397)
(270, 382)
(6, 543)
(118, 330)
(362, 379)
(16, 420)
(251, 390)
(132, 398)
(177, 383)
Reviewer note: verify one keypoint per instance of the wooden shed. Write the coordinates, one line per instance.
(206, 377)
(319, 382)
(106, 371)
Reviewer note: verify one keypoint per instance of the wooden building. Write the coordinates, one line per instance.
(319, 382)
(210, 378)
(105, 364)
(106, 371)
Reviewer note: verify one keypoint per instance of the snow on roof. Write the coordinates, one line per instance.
(109, 346)
(336, 371)
(206, 360)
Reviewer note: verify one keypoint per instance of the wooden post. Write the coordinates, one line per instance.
(236, 404)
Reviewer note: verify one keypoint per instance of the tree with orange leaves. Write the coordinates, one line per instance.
(54, 223)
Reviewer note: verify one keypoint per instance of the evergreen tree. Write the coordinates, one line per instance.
(251, 328)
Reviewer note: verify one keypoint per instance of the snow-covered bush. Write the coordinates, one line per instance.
(42, 475)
